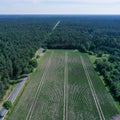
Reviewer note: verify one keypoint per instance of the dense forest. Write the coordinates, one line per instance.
(21, 36)
(97, 35)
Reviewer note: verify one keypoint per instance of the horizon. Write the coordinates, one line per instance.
(64, 14)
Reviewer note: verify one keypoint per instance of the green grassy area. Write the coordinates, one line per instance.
(94, 57)
(105, 99)
(81, 102)
(26, 98)
(105, 56)
(14, 83)
(59, 88)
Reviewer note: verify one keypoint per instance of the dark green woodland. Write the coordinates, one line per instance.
(21, 36)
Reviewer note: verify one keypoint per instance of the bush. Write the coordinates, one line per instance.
(37, 56)
(99, 54)
(33, 63)
(28, 69)
(90, 53)
(7, 104)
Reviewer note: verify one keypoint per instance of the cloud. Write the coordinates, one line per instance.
(60, 6)
(83, 1)
(90, 2)
(30, 1)
(35, 1)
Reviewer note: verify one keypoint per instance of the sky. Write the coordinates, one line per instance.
(59, 6)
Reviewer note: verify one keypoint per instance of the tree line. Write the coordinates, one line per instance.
(95, 35)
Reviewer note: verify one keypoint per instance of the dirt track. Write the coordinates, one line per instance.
(101, 115)
(65, 108)
(29, 115)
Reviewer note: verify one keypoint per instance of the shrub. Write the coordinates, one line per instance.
(33, 63)
(7, 104)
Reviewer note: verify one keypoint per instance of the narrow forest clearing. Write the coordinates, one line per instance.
(64, 87)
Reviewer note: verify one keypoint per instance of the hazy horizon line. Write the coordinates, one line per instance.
(57, 14)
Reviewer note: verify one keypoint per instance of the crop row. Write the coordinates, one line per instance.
(51, 95)
(23, 105)
(81, 102)
(69, 90)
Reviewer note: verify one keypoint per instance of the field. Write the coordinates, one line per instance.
(64, 87)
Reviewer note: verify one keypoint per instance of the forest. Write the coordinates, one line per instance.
(21, 36)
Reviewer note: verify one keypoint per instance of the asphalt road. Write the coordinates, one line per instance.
(12, 97)
(40, 51)
(16, 91)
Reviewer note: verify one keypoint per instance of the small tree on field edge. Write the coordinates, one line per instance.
(7, 104)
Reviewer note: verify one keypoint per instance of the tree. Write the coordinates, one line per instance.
(33, 63)
(7, 104)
